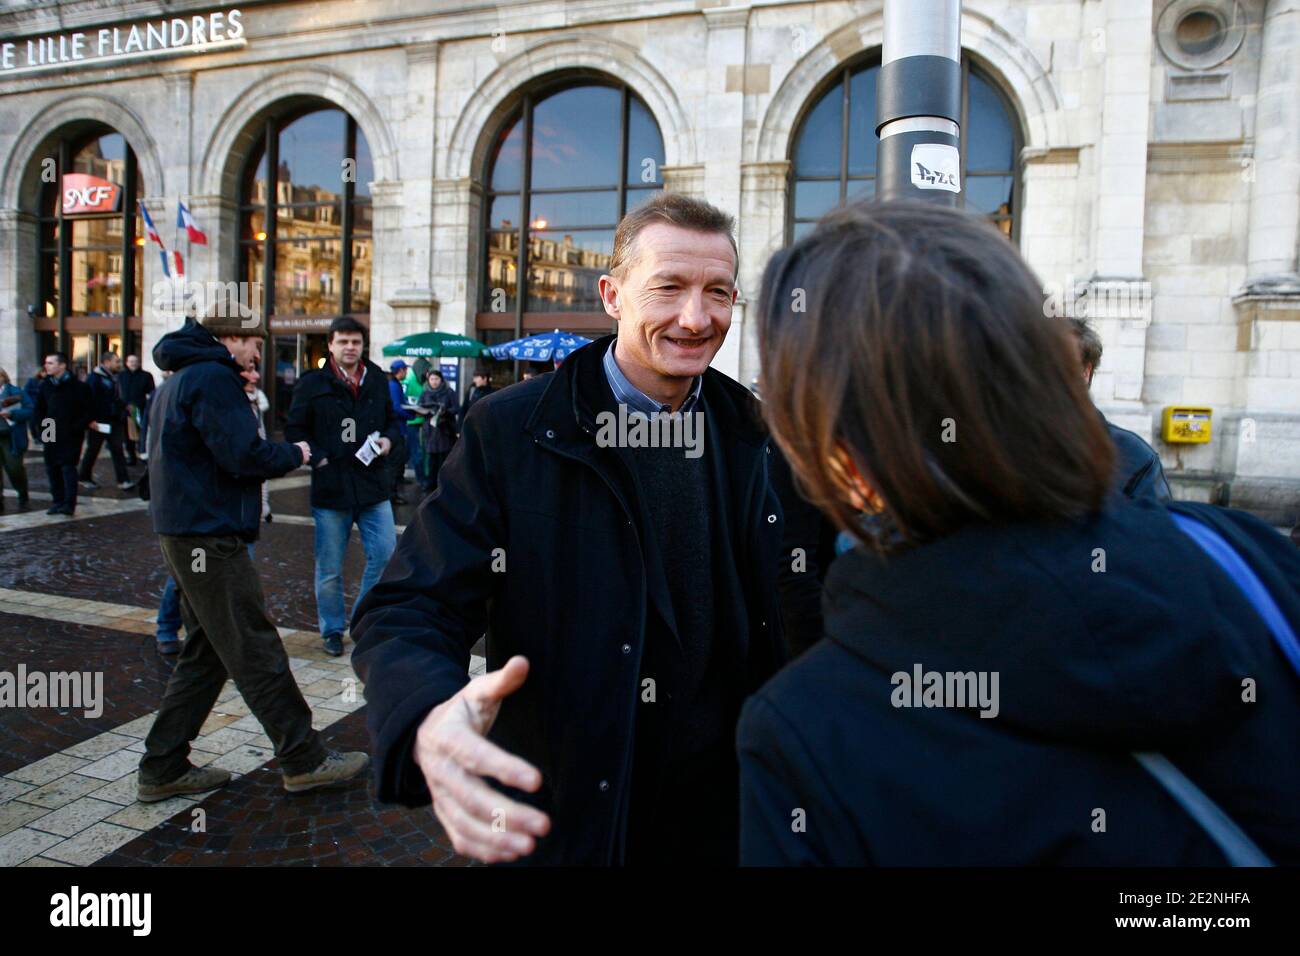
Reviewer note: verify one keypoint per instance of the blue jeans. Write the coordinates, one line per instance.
(169, 609)
(415, 454)
(333, 527)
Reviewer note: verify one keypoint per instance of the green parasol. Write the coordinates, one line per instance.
(436, 345)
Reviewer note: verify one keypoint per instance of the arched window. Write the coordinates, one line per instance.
(568, 162)
(834, 156)
(311, 234)
(89, 265)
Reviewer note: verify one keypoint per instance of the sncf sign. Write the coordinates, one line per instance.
(84, 194)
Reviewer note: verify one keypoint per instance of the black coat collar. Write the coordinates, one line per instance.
(565, 415)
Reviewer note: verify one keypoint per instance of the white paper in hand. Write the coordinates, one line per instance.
(369, 449)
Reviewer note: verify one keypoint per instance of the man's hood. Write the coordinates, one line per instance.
(1117, 631)
(188, 345)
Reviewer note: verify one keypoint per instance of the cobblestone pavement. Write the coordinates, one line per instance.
(80, 595)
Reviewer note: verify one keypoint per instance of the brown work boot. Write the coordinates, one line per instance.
(335, 768)
(194, 780)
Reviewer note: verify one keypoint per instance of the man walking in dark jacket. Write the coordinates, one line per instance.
(344, 411)
(134, 385)
(206, 467)
(628, 591)
(63, 410)
(110, 412)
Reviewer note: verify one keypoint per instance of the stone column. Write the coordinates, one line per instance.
(1262, 442)
(761, 227)
(1118, 301)
(1275, 198)
(18, 271)
(721, 131)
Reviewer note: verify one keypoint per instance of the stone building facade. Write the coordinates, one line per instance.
(1155, 177)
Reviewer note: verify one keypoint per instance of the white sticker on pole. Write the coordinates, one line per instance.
(936, 166)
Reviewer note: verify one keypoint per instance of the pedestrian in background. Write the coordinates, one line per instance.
(1138, 471)
(206, 462)
(481, 387)
(135, 385)
(439, 431)
(64, 408)
(397, 373)
(108, 412)
(1011, 646)
(335, 410)
(15, 411)
(260, 405)
(33, 388)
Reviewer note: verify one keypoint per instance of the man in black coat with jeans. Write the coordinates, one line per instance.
(110, 411)
(628, 590)
(64, 407)
(207, 463)
(336, 409)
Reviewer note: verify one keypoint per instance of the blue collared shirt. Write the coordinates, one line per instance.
(625, 393)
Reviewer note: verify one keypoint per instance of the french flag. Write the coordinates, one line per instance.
(185, 221)
(152, 233)
(149, 229)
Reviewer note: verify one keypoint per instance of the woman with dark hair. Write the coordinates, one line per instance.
(438, 433)
(1017, 668)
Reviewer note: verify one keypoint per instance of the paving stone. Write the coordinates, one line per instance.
(24, 843)
(16, 813)
(100, 746)
(146, 816)
(61, 792)
(243, 759)
(43, 861)
(47, 768)
(91, 844)
(75, 817)
(222, 741)
(113, 766)
(13, 788)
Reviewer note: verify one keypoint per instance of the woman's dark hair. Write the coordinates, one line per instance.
(913, 338)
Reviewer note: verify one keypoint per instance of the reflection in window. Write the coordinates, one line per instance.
(566, 166)
(834, 155)
(97, 246)
(320, 209)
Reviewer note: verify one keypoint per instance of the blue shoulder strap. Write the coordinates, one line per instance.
(1241, 574)
(1236, 846)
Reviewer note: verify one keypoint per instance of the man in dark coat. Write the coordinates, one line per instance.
(336, 409)
(135, 385)
(64, 407)
(109, 410)
(481, 388)
(628, 592)
(207, 463)
(1138, 471)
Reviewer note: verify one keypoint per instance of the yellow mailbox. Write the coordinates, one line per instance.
(1186, 424)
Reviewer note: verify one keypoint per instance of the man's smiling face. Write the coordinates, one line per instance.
(673, 304)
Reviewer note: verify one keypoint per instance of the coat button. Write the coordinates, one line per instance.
(604, 785)
(626, 648)
(549, 433)
(771, 519)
